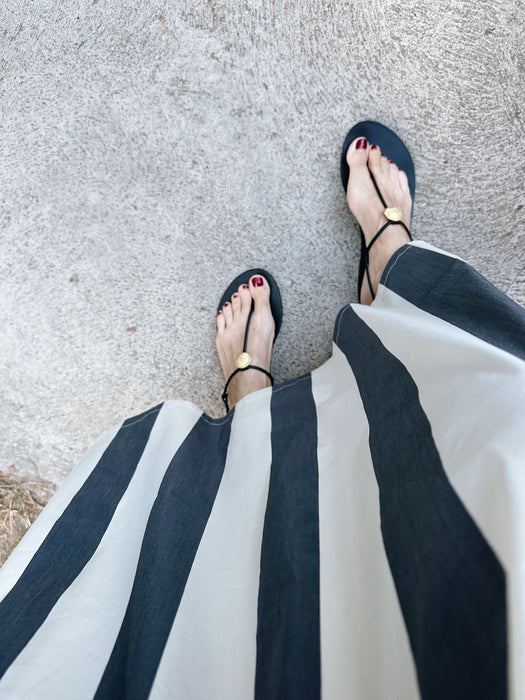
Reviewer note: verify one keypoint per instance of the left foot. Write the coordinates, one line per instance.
(231, 329)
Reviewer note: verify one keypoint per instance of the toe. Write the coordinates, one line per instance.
(221, 323)
(374, 156)
(393, 174)
(227, 313)
(260, 290)
(236, 304)
(402, 179)
(357, 153)
(378, 163)
(262, 314)
(246, 298)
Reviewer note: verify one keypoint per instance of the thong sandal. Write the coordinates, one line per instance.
(395, 150)
(243, 360)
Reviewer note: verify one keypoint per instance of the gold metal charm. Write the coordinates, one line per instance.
(393, 214)
(243, 360)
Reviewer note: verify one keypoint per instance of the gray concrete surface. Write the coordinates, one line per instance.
(152, 151)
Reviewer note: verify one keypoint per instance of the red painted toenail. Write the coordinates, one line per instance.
(219, 312)
(373, 148)
(235, 295)
(391, 161)
(362, 143)
(226, 303)
(258, 282)
(245, 286)
(400, 169)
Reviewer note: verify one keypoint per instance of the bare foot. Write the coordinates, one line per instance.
(231, 328)
(367, 208)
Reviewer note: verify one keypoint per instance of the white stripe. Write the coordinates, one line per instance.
(211, 650)
(365, 651)
(66, 657)
(39, 530)
(473, 394)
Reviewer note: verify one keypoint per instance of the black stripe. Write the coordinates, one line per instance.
(453, 291)
(288, 629)
(173, 533)
(72, 540)
(450, 585)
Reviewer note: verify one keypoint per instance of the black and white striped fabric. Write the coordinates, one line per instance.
(358, 532)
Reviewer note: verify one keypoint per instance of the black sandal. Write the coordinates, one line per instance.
(394, 149)
(243, 360)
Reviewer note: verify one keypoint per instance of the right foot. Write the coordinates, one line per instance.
(367, 208)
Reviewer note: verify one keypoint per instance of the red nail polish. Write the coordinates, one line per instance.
(391, 161)
(361, 144)
(226, 303)
(235, 295)
(245, 286)
(258, 282)
(219, 312)
(400, 169)
(373, 148)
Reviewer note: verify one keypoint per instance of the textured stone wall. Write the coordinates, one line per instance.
(150, 152)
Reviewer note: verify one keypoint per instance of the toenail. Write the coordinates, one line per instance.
(245, 286)
(400, 169)
(226, 303)
(258, 282)
(235, 295)
(362, 143)
(373, 148)
(391, 161)
(219, 312)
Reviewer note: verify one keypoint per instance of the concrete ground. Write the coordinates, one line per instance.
(152, 151)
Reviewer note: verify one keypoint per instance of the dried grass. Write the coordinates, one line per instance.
(22, 499)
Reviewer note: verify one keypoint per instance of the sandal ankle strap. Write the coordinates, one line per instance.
(374, 239)
(388, 223)
(232, 375)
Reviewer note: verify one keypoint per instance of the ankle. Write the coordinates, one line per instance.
(245, 383)
(381, 252)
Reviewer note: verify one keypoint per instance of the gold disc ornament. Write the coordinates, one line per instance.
(393, 214)
(243, 360)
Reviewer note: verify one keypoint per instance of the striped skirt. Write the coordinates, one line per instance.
(358, 532)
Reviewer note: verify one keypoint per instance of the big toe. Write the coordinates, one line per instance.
(357, 154)
(263, 321)
(260, 291)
